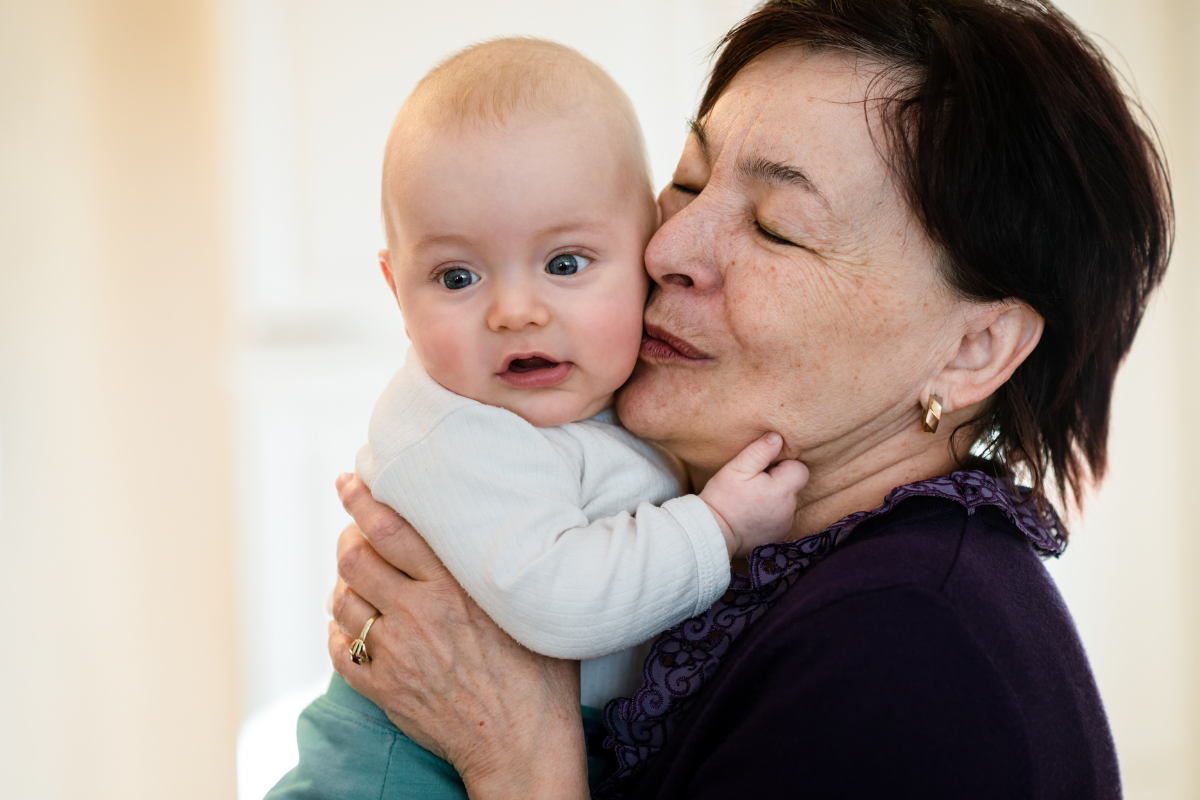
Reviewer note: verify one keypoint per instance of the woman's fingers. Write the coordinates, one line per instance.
(343, 664)
(350, 611)
(389, 534)
(363, 570)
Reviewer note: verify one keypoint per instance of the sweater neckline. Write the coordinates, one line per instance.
(686, 656)
(972, 489)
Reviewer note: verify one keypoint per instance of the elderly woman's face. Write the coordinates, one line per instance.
(795, 291)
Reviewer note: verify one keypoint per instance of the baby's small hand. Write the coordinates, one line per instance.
(755, 505)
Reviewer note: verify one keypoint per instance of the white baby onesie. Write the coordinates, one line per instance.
(573, 539)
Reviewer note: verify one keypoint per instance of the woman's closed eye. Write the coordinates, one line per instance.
(771, 236)
(457, 278)
(685, 189)
(567, 264)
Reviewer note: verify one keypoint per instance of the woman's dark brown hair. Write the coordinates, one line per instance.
(1027, 165)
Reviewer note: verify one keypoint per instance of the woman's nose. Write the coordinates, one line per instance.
(515, 307)
(682, 252)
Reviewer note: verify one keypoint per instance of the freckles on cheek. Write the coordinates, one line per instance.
(768, 316)
(855, 316)
(888, 324)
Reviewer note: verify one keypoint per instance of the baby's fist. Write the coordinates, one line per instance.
(752, 501)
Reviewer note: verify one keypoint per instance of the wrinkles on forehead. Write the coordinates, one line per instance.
(808, 124)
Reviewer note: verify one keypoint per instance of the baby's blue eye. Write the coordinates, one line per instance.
(458, 278)
(567, 264)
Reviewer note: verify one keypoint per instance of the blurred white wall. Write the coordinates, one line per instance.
(193, 331)
(116, 538)
(1129, 575)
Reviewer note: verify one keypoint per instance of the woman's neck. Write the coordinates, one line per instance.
(862, 484)
(841, 486)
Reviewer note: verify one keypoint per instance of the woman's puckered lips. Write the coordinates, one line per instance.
(661, 345)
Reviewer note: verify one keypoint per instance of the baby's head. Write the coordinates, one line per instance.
(518, 204)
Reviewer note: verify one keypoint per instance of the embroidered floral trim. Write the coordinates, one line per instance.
(686, 656)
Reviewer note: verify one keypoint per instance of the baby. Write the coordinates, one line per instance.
(517, 204)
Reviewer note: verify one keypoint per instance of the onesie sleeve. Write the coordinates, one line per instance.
(500, 504)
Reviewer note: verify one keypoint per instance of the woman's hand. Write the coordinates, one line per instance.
(443, 672)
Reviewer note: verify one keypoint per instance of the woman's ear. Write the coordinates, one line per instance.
(386, 266)
(1001, 337)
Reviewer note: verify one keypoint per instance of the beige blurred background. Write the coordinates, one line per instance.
(192, 332)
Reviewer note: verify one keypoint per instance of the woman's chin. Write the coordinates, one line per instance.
(639, 402)
(654, 406)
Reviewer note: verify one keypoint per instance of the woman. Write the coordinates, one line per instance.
(915, 238)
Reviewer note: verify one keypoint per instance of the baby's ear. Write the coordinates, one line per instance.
(386, 266)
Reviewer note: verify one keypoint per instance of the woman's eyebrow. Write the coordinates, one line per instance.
(762, 169)
(697, 128)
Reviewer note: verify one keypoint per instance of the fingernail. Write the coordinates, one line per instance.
(773, 438)
(343, 479)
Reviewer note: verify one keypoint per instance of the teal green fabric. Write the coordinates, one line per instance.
(350, 750)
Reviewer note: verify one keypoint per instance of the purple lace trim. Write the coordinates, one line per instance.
(686, 656)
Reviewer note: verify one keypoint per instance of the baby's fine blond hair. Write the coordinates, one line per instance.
(509, 81)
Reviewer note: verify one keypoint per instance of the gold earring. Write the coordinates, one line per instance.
(933, 415)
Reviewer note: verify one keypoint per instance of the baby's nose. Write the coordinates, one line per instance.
(515, 310)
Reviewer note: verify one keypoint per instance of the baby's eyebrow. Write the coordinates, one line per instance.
(442, 238)
(570, 226)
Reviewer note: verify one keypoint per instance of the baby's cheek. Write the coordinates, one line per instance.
(449, 353)
(614, 336)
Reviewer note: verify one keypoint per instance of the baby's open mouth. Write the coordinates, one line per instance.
(535, 372)
(531, 364)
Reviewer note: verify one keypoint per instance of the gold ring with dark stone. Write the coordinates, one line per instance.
(358, 648)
